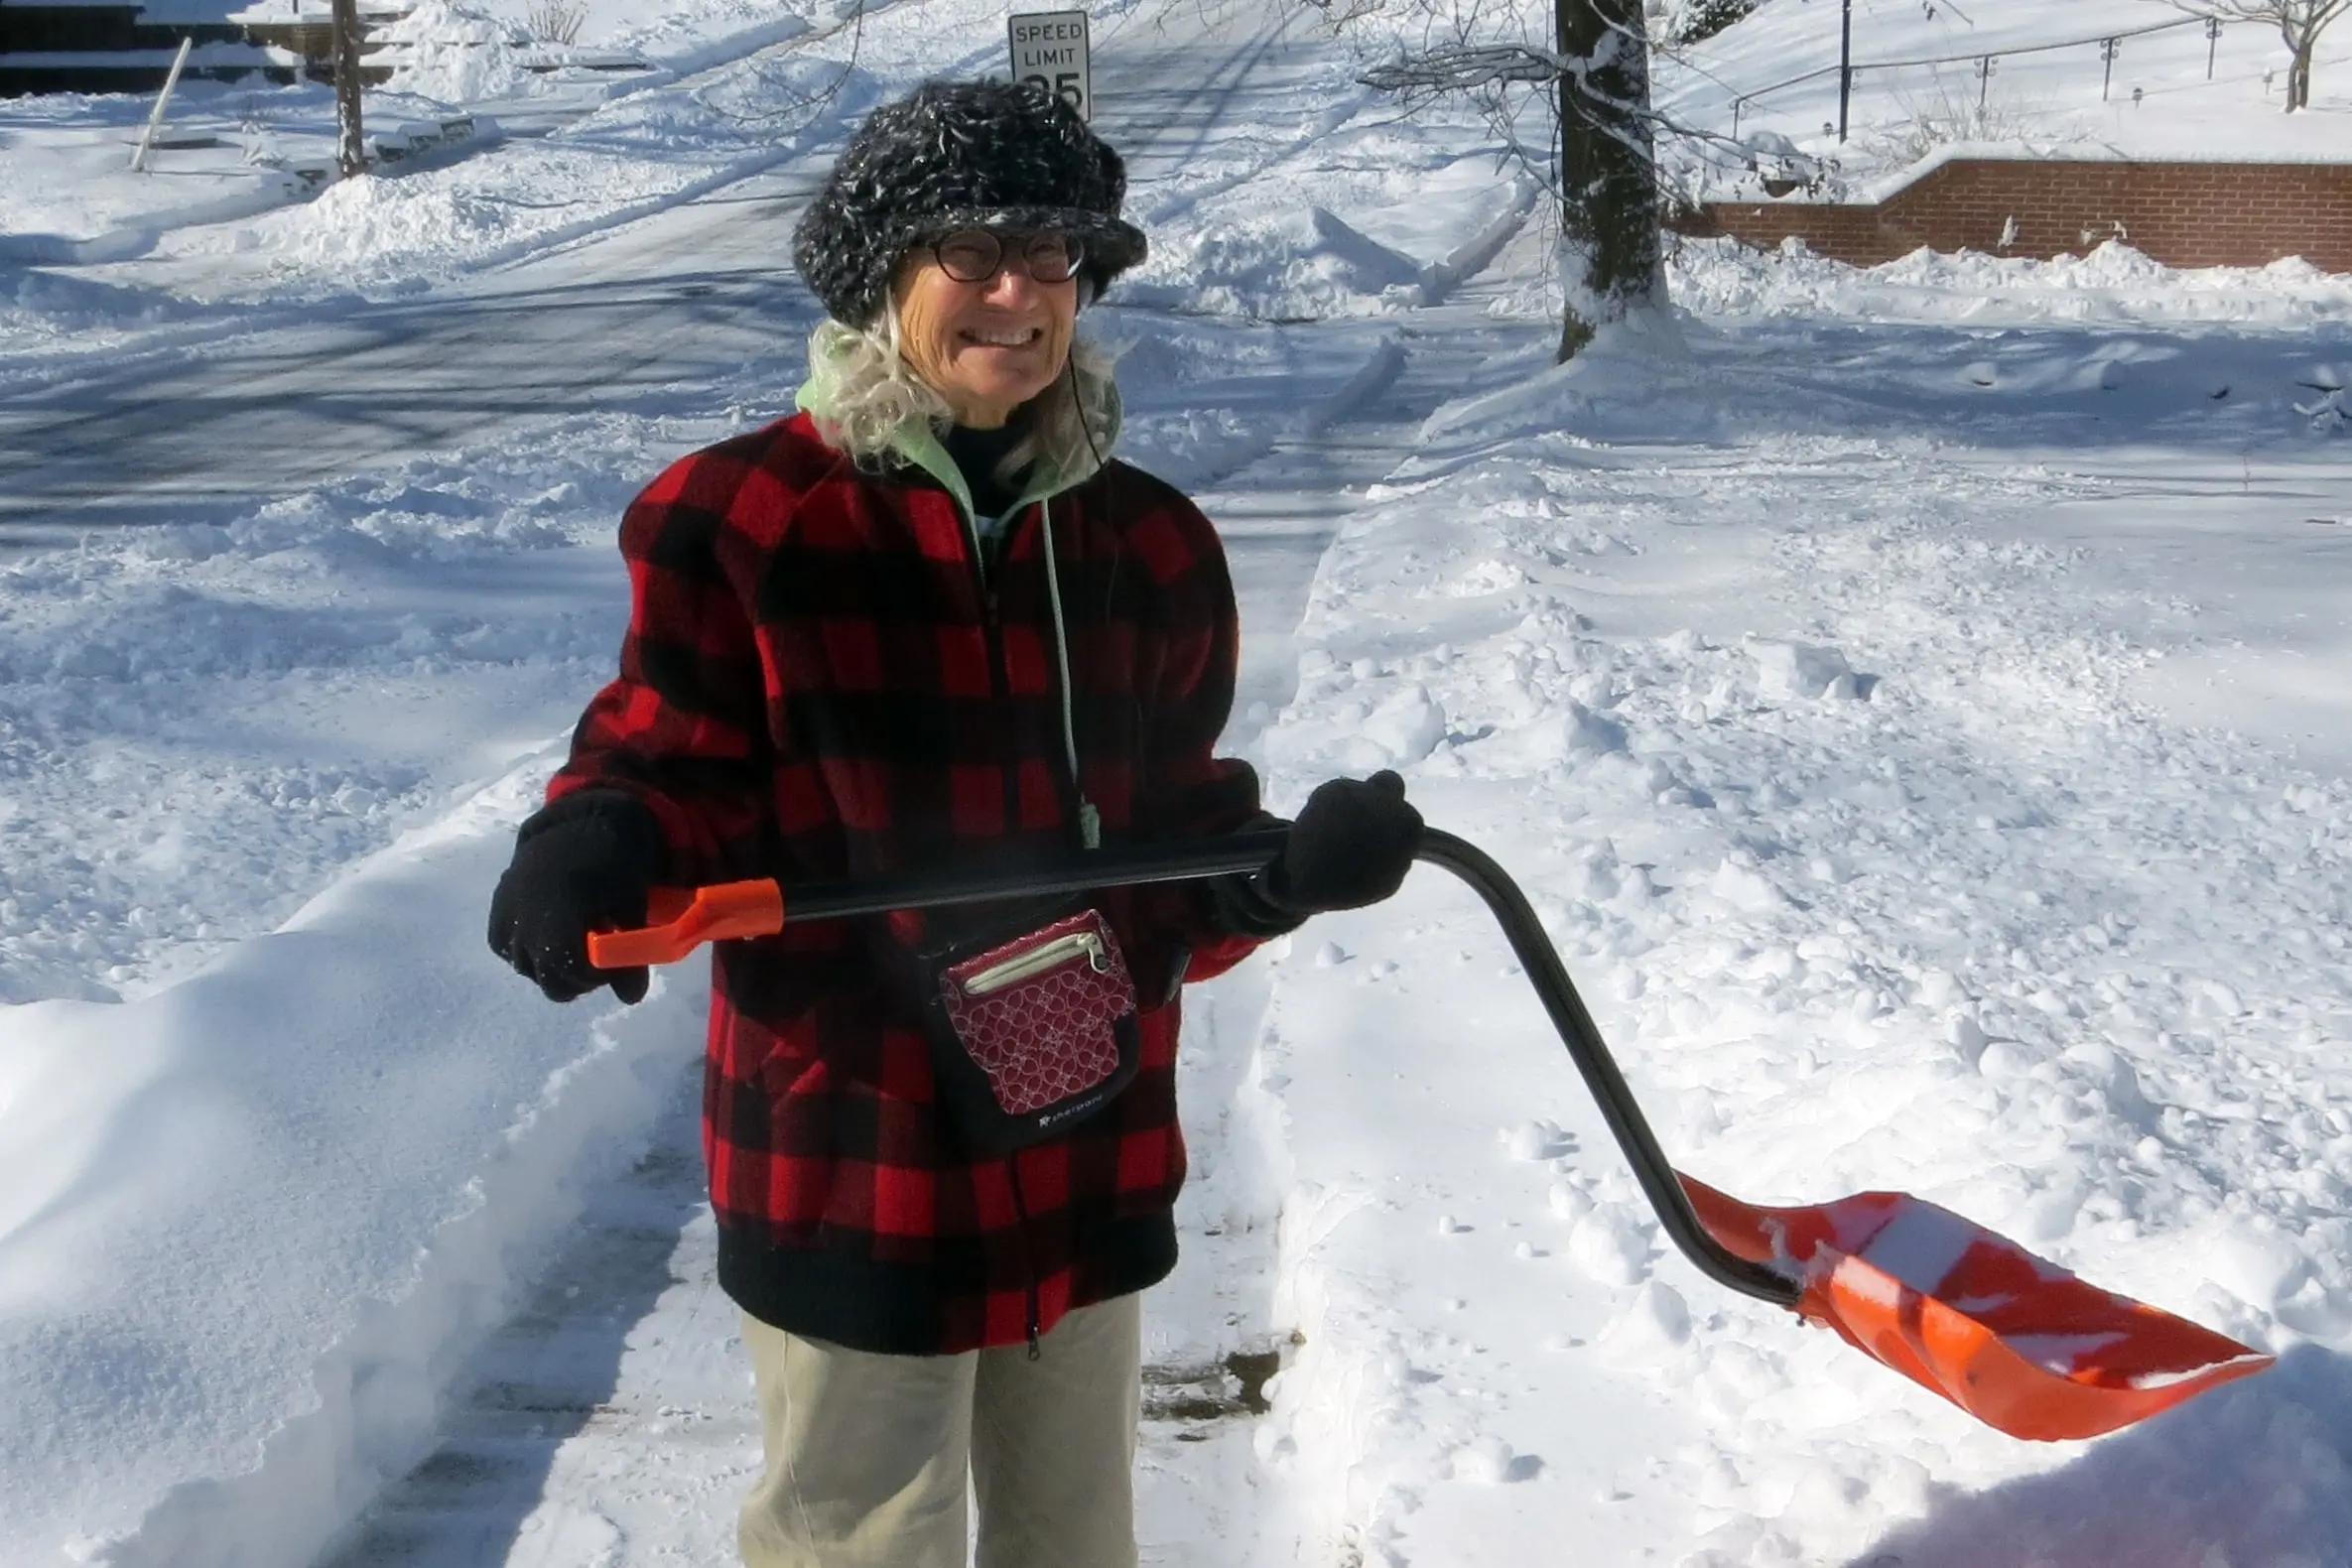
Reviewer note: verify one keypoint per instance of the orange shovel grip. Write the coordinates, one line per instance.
(680, 919)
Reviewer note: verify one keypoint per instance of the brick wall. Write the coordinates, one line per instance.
(2182, 214)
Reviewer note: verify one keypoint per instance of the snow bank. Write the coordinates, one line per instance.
(2112, 284)
(271, 698)
(1830, 784)
(631, 158)
(455, 54)
(1398, 222)
(1204, 397)
(323, 1161)
(44, 312)
(1296, 266)
(253, 1217)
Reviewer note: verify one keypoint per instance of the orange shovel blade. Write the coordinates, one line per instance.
(2017, 1342)
(680, 919)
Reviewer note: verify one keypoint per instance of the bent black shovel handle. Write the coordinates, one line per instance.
(1127, 866)
(1582, 1036)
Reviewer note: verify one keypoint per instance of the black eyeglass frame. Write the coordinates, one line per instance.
(1002, 245)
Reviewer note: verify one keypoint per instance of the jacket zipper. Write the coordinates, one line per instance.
(999, 672)
(1002, 676)
(1081, 810)
(1020, 1209)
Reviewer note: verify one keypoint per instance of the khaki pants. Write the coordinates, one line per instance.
(867, 1455)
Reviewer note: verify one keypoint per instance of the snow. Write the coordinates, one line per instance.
(455, 54)
(72, 197)
(1830, 886)
(1911, 699)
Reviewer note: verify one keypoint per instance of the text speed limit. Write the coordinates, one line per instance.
(1050, 52)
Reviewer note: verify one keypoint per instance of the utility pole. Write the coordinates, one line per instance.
(1845, 64)
(2108, 50)
(2212, 43)
(351, 153)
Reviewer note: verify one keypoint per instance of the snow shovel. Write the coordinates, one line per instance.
(2017, 1342)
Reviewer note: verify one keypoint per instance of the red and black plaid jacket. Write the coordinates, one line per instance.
(815, 683)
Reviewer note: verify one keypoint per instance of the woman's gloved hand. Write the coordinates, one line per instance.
(581, 863)
(1351, 845)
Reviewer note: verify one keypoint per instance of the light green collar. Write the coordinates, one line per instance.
(915, 443)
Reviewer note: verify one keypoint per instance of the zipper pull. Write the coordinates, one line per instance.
(1090, 824)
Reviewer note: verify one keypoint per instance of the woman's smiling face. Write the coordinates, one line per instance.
(989, 346)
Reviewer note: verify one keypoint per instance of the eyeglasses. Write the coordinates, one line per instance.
(976, 256)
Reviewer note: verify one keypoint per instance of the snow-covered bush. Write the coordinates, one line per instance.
(554, 22)
(1950, 113)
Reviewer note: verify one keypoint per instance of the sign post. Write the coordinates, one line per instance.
(155, 121)
(350, 147)
(1050, 51)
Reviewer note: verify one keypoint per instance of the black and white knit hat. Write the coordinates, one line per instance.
(959, 155)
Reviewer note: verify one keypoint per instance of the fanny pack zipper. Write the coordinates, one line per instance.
(1040, 959)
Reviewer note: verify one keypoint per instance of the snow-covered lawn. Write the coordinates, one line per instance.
(1921, 84)
(1914, 701)
(1863, 734)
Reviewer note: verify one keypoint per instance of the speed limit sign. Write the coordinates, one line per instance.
(1050, 51)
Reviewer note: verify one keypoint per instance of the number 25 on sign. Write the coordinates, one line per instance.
(1050, 51)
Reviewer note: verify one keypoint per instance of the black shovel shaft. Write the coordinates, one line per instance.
(1120, 865)
(1127, 866)
(1582, 1036)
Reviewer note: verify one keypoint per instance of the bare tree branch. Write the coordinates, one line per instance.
(1476, 70)
(795, 100)
(2300, 24)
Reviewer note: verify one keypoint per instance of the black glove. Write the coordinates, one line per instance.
(581, 863)
(1351, 845)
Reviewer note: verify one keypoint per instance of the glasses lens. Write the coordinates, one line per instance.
(969, 256)
(974, 255)
(1052, 257)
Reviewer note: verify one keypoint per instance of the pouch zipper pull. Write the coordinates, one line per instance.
(1037, 961)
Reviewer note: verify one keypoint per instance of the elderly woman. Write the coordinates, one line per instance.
(928, 623)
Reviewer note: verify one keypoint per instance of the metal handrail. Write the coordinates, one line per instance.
(1970, 57)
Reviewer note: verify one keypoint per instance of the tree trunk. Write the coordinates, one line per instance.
(351, 153)
(2299, 79)
(1611, 260)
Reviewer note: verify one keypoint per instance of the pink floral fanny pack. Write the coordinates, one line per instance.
(1031, 1033)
